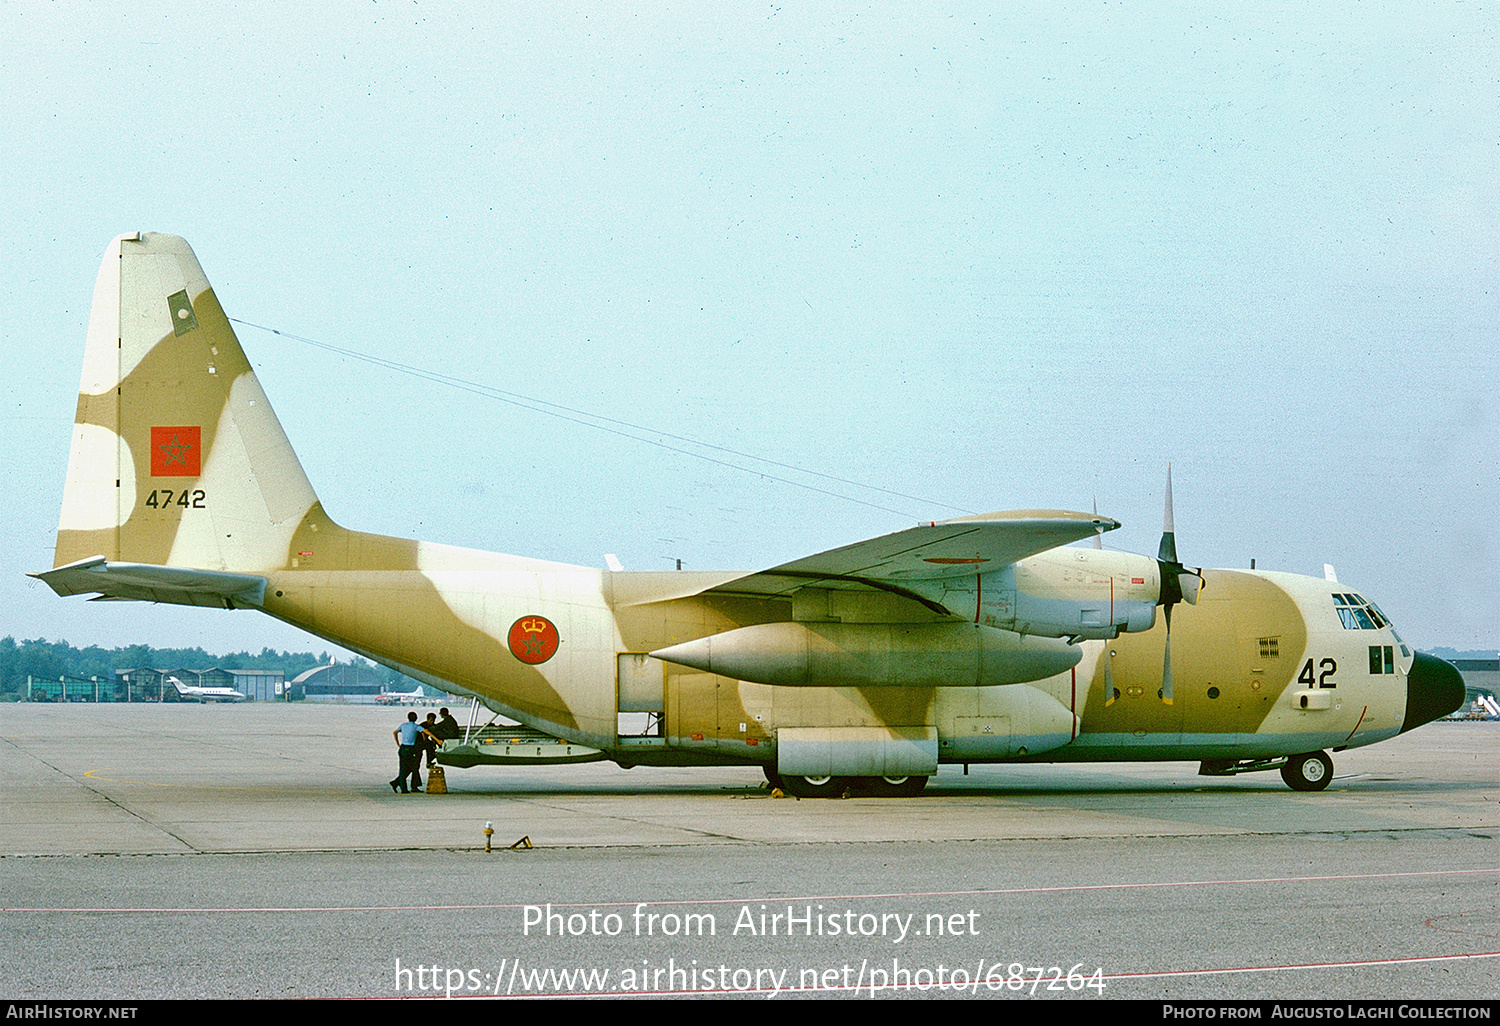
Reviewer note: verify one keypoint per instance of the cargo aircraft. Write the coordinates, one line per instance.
(983, 639)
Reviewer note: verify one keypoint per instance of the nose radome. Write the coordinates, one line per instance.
(1434, 688)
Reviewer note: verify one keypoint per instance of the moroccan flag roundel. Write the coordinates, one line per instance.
(176, 451)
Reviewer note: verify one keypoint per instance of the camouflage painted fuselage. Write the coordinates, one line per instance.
(182, 488)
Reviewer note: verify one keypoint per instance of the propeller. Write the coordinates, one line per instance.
(1178, 584)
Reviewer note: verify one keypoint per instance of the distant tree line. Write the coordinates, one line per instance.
(50, 660)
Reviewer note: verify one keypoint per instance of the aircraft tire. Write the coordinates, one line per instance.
(773, 778)
(813, 787)
(894, 787)
(1309, 772)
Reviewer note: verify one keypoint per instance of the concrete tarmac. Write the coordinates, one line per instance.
(256, 850)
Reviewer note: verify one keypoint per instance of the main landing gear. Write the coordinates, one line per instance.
(832, 787)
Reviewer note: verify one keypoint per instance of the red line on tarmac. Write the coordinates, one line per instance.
(977, 985)
(1295, 966)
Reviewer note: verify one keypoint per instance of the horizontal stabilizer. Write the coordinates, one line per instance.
(146, 583)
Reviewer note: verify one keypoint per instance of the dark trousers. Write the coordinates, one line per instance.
(411, 765)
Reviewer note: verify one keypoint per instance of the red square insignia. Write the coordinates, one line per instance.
(176, 451)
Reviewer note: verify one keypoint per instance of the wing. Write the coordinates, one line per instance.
(931, 551)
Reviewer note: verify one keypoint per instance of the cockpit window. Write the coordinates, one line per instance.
(1356, 614)
(1405, 652)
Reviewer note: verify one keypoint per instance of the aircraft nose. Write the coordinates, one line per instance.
(1434, 688)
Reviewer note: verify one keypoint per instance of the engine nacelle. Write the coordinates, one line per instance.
(920, 655)
(1063, 593)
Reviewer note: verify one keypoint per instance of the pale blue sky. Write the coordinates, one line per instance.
(993, 256)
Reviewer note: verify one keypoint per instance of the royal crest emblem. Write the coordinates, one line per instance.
(533, 639)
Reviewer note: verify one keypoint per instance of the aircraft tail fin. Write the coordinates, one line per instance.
(177, 458)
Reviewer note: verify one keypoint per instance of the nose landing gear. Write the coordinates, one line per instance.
(1308, 772)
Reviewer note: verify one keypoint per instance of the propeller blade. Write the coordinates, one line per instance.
(1190, 584)
(1166, 663)
(1167, 552)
